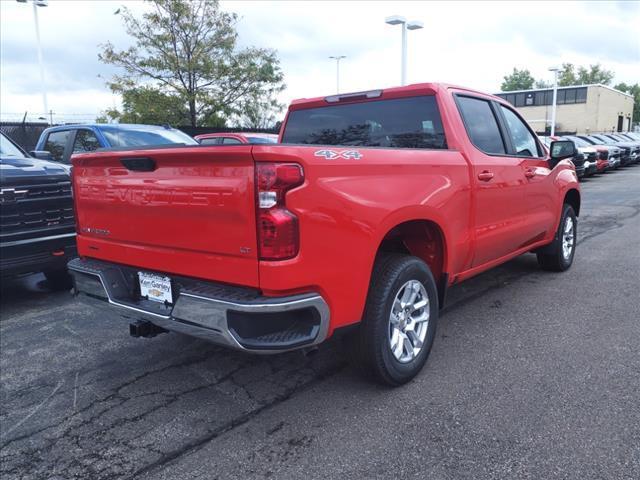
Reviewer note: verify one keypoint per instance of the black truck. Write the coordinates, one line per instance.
(37, 230)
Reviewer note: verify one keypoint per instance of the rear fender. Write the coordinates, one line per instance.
(411, 214)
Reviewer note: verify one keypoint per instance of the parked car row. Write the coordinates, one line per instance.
(599, 153)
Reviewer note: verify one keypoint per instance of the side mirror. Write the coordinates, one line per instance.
(41, 154)
(562, 149)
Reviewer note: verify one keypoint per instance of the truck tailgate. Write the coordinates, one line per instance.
(183, 210)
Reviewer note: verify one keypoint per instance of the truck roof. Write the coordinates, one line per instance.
(393, 92)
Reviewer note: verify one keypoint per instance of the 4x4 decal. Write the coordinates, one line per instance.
(334, 154)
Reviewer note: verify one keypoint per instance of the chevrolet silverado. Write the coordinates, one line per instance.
(370, 206)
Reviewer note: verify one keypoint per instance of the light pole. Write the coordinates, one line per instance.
(555, 98)
(36, 4)
(337, 58)
(412, 25)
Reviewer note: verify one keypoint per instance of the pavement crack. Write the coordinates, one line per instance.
(200, 442)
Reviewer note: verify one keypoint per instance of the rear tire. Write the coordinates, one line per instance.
(58, 279)
(558, 256)
(399, 324)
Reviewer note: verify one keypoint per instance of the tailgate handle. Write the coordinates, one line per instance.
(139, 164)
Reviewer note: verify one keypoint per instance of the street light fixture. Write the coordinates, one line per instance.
(337, 58)
(411, 25)
(555, 71)
(36, 4)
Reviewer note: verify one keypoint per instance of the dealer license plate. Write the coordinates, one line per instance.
(155, 287)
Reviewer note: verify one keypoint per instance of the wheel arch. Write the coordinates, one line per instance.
(572, 197)
(424, 239)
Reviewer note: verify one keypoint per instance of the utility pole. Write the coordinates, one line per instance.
(555, 99)
(36, 4)
(337, 58)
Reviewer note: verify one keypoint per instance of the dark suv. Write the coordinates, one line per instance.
(37, 231)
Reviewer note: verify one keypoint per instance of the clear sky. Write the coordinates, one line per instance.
(467, 43)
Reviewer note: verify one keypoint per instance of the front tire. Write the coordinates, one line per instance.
(558, 256)
(400, 319)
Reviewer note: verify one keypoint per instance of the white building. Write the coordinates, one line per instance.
(581, 108)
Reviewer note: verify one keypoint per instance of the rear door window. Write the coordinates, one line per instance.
(56, 143)
(85, 141)
(481, 124)
(412, 122)
(523, 141)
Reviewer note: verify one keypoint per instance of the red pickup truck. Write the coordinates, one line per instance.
(371, 205)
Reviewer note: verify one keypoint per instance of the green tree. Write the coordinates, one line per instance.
(260, 112)
(186, 57)
(517, 80)
(635, 91)
(594, 74)
(584, 75)
(143, 104)
(567, 75)
(543, 84)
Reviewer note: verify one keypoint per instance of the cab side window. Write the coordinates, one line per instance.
(481, 125)
(521, 137)
(86, 141)
(56, 143)
(231, 141)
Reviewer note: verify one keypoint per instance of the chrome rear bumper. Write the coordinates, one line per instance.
(239, 318)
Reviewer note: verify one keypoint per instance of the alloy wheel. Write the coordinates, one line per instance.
(409, 321)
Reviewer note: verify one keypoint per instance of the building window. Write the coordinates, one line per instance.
(545, 97)
(528, 99)
(570, 95)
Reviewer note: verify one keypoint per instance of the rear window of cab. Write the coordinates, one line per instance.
(412, 122)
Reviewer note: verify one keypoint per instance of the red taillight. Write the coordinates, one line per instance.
(278, 233)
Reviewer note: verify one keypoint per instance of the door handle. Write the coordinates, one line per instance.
(485, 175)
(529, 173)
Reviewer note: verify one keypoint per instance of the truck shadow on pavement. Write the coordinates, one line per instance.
(82, 397)
(22, 292)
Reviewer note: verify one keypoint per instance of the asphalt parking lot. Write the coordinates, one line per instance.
(533, 375)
